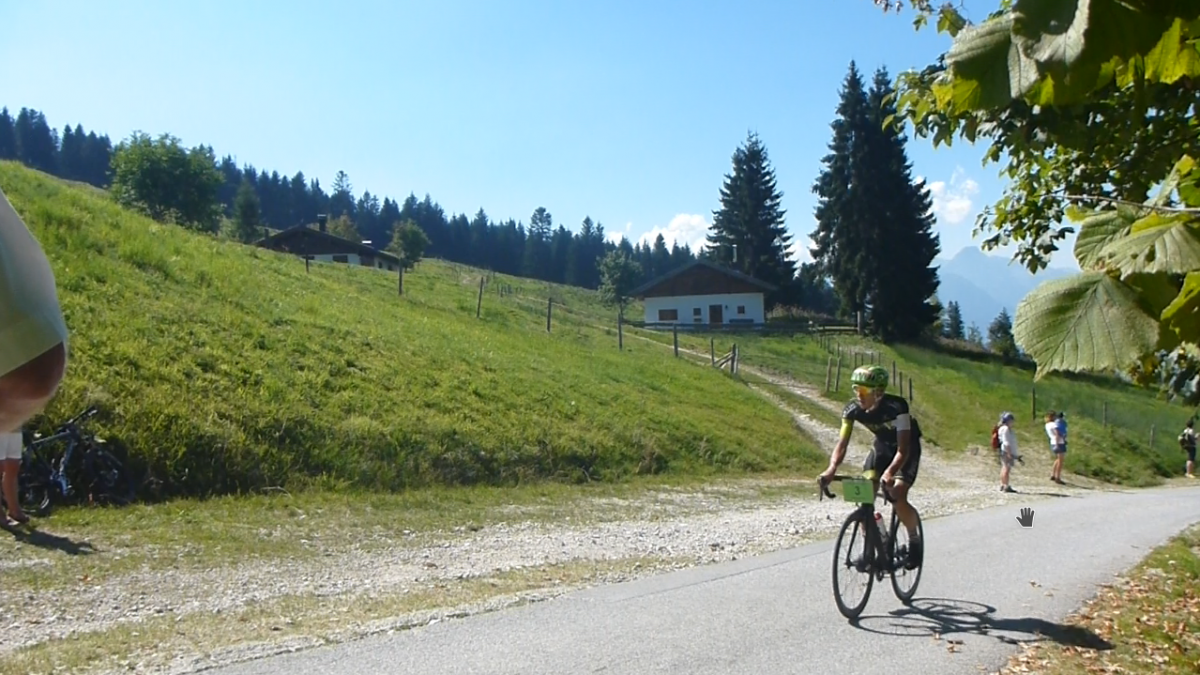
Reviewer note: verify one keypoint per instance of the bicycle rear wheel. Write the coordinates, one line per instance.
(110, 482)
(848, 565)
(904, 581)
(35, 485)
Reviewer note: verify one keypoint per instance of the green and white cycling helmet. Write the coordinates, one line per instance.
(872, 377)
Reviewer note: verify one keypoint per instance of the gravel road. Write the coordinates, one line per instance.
(681, 529)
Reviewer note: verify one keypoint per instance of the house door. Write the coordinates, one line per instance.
(714, 314)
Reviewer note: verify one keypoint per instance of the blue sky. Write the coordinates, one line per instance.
(628, 112)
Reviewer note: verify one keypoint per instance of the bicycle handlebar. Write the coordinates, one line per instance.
(823, 486)
(90, 412)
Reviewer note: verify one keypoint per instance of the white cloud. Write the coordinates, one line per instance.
(799, 249)
(952, 202)
(688, 229)
(615, 235)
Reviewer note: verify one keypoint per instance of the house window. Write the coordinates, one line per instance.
(695, 311)
(668, 315)
(340, 258)
(741, 309)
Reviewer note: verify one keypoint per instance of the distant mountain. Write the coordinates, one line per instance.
(982, 284)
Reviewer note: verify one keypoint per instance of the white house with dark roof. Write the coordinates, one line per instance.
(704, 293)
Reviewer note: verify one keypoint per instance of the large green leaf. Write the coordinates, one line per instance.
(1172, 58)
(1156, 243)
(1098, 230)
(1055, 52)
(1182, 317)
(979, 59)
(1051, 31)
(1087, 322)
(1189, 181)
(1156, 292)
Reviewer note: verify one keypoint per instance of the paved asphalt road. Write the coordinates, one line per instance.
(775, 613)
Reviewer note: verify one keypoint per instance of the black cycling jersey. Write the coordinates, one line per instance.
(888, 416)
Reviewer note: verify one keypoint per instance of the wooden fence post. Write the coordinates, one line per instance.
(1104, 416)
(620, 334)
(837, 382)
(400, 284)
(828, 373)
(712, 350)
(675, 337)
(910, 396)
(736, 355)
(306, 259)
(549, 306)
(1033, 402)
(479, 302)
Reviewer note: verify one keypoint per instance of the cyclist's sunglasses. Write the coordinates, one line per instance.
(861, 388)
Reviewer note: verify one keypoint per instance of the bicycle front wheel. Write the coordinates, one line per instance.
(850, 565)
(904, 580)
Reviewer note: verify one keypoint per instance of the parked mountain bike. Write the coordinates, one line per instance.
(85, 469)
(881, 553)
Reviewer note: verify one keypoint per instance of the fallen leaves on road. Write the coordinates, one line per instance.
(1145, 621)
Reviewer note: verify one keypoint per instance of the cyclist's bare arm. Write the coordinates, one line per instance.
(839, 450)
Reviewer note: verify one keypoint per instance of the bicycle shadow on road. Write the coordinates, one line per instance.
(946, 617)
(50, 541)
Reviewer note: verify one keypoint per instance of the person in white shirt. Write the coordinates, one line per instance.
(33, 343)
(1009, 452)
(1058, 445)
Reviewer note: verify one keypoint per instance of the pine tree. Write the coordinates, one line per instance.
(902, 306)
(1000, 335)
(974, 336)
(341, 200)
(536, 261)
(8, 135)
(954, 322)
(752, 219)
(247, 221)
(841, 252)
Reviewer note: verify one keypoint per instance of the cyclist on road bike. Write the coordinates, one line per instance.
(896, 455)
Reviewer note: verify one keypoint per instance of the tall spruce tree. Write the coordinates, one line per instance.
(842, 252)
(8, 135)
(752, 219)
(901, 216)
(247, 214)
(874, 235)
(954, 322)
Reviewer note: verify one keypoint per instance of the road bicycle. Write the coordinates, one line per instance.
(880, 553)
(85, 468)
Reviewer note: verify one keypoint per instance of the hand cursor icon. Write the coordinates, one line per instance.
(1026, 517)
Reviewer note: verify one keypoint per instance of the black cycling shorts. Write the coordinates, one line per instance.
(881, 457)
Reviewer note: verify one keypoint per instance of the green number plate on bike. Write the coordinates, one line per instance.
(858, 491)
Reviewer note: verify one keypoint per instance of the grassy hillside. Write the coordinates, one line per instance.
(221, 367)
(959, 399)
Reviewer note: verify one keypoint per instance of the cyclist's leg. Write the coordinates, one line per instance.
(904, 510)
(33, 334)
(905, 477)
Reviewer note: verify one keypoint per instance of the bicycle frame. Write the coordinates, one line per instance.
(71, 432)
(880, 561)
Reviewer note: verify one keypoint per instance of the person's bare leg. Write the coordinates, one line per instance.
(27, 389)
(904, 510)
(12, 497)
